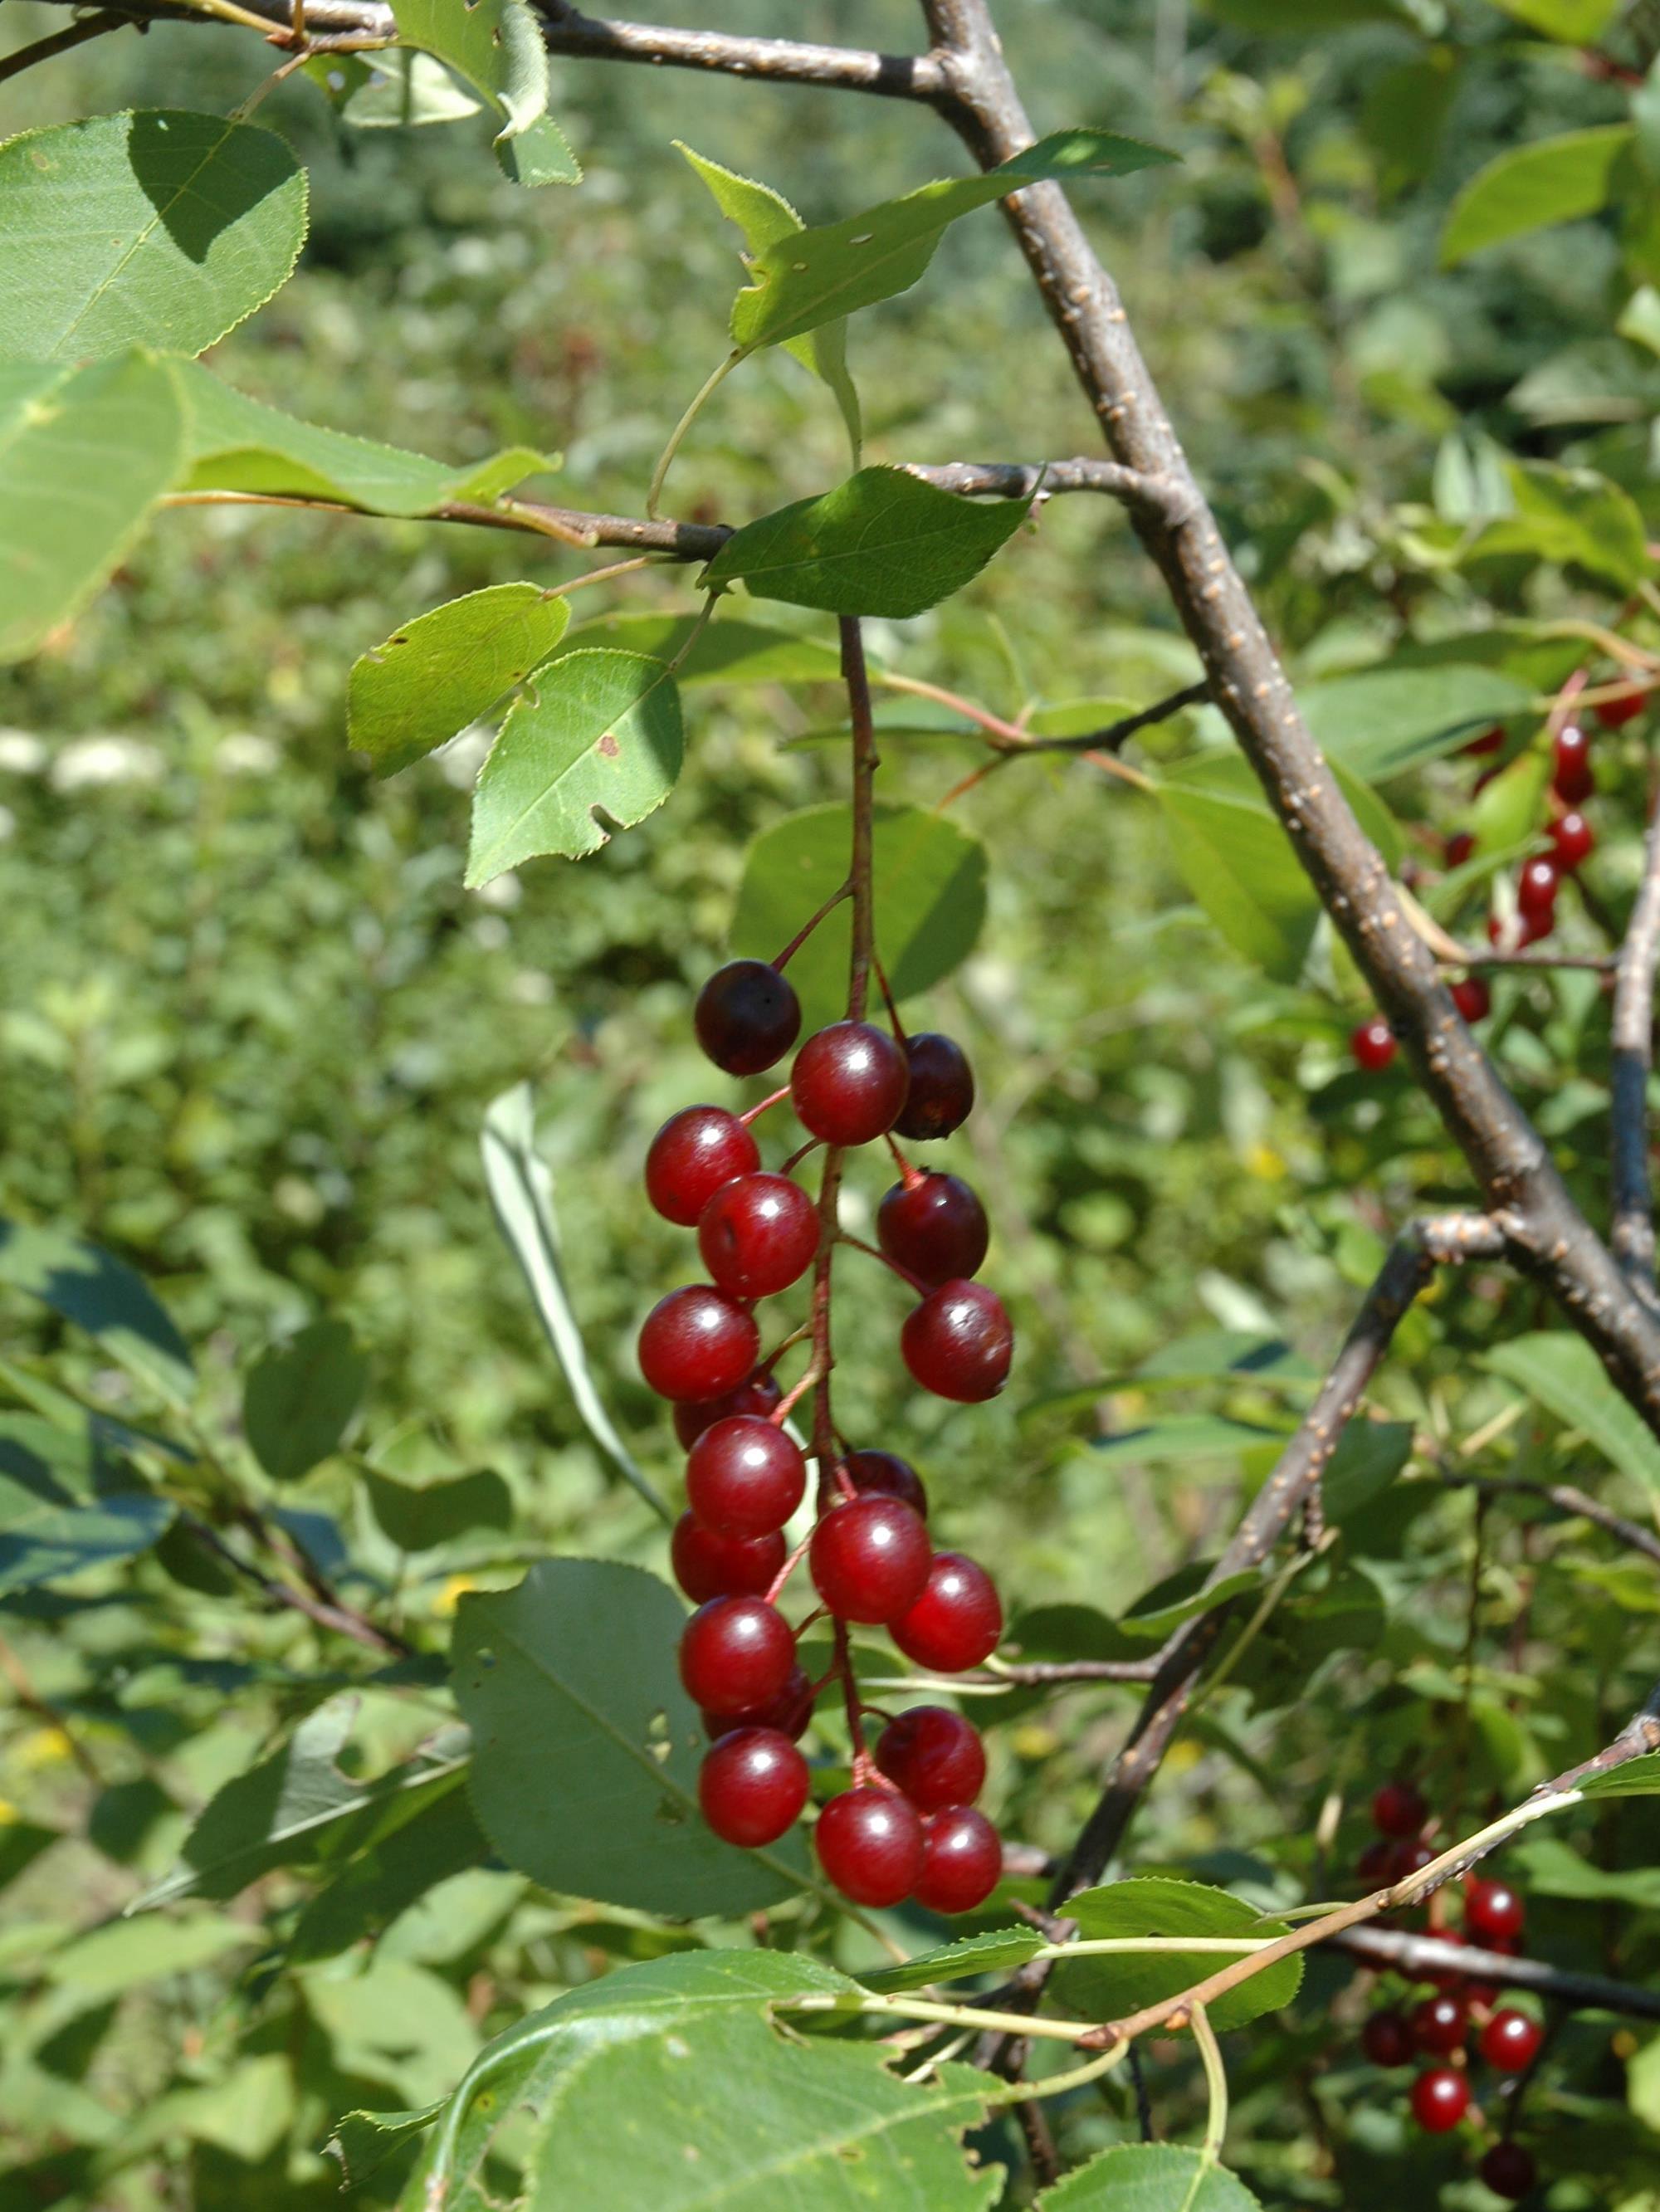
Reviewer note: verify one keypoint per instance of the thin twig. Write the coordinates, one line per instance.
(90, 26)
(1631, 1229)
(1420, 1958)
(1566, 1499)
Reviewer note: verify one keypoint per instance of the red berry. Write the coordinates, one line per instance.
(1473, 999)
(1535, 890)
(941, 1087)
(1372, 1044)
(1510, 2041)
(709, 1565)
(759, 1394)
(745, 1477)
(934, 1755)
(1508, 2171)
(870, 1844)
(736, 1653)
(1459, 847)
(747, 1017)
(1490, 741)
(1387, 2041)
(1440, 2099)
(956, 1622)
(696, 1344)
(848, 1083)
(753, 1786)
(1573, 841)
(1494, 1910)
(934, 1227)
(1440, 2024)
(958, 1343)
(1398, 1809)
(788, 1712)
(1409, 1859)
(1614, 714)
(888, 1475)
(758, 1235)
(869, 1558)
(1571, 776)
(1376, 1864)
(691, 1155)
(962, 1861)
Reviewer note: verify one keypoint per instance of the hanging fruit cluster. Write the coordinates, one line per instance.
(1458, 2010)
(907, 1827)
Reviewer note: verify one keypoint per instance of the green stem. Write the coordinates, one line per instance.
(708, 385)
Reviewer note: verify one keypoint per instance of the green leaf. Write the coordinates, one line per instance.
(395, 90)
(601, 734)
(1575, 22)
(83, 453)
(298, 1402)
(1182, 1595)
(442, 670)
(809, 277)
(496, 47)
(727, 651)
(419, 1515)
(1299, 19)
(1385, 721)
(1070, 1632)
(1571, 516)
(1369, 1457)
(572, 1674)
(1179, 1438)
(929, 911)
(765, 216)
(538, 155)
(883, 543)
(1559, 1370)
(1155, 1904)
(159, 227)
(103, 1296)
(1556, 181)
(1552, 1868)
(995, 1953)
(521, 1196)
(1148, 2178)
(124, 1953)
(46, 1533)
(1637, 1777)
(420, 1840)
(1507, 811)
(237, 444)
(395, 2022)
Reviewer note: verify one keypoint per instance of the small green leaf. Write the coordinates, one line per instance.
(995, 1953)
(1148, 2178)
(883, 543)
(573, 1673)
(1573, 517)
(159, 227)
(297, 1401)
(1384, 721)
(728, 652)
(83, 454)
(1575, 22)
(1154, 1905)
(600, 734)
(1556, 181)
(417, 1516)
(928, 914)
(442, 670)
(394, 90)
(1181, 1596)
(496, 47)
(103, 1296)
(1508, 810)
(1560, 1372)
(1637, 1777)
(538, 155)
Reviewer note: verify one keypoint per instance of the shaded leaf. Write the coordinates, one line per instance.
(601, 734)
(1369, 1457)
(995, 1953)
(1182, 1595)
(1148, 2178)
(47, 1531)
(1184, 1437)
(729, 651)
(298, 1402)
(1382, 721)
(1556, 181)
(496, 47)
(101, 1295)
(1155, 1904)
(1571, 516)
(419, 1515)
(423, 1837)
(1559, 1370)
(395, 90)
(429, 679)
(156, 227)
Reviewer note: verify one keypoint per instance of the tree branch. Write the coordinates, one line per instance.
(779, 61)
(1420, 1957)
(320, 1607)
(60, 42)
(1631, 1234)
(1566, 1499)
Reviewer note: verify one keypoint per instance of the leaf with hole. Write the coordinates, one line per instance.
(600, 734)
(1112, 1987)
(298, 1402)
(429, 679)
(1555, 180)
(156, 227)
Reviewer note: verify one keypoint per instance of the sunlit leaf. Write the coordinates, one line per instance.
(429, 679)
(1555, 180)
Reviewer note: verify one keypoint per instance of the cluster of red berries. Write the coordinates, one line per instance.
(908, 1826)
(1572, 841)
(1438, 2026)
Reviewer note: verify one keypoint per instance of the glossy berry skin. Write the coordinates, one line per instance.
(758, 1235)
(736, 1654)
(751, 1786)
(869, 1843)
(934, 1755)
(885, 1474)
(1571, 776)
(745, 1477)
(1398, 1809)
(691, 1155)
(941, 1091)
(1572, 842)
(1459, 847)
(1440, 2099)
(1473, 999)
(696, 1344)
(709, 1565)
(848, 1083)
(1535, 890)
(1440, 2024)
(787, 1713)
(1373, 1045)
(958, 1343)
(1614, 714)
(934, 1229)
(1387, 2040)
(1509, 2170)
(869, 1557)
(747, 1017)
(1494, 1911)
(1510, 2041)
(759, 1394)
(962, 1861)
(957, 1620)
